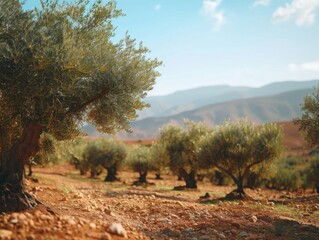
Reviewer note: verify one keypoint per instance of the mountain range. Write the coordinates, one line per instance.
(191, 99)
(276, 102)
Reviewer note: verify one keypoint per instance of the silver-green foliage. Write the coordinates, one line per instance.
(183, 145)
(106, 153)
(60, 66)
(309, 121)
(237, 148)
(139, 159)
(159, 157)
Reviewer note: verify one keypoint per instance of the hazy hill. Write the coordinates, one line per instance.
(187, 100)
(276, 108)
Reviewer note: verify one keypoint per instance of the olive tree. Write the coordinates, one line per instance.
(60, 66)
(236, 148)
(74, 151)
(309, 121)
(159, 158)
(139, 160)
(108, 154)
(182, 146)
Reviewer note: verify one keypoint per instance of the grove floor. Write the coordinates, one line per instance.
(78, 207)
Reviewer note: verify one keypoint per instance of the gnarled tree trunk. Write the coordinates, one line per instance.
(142, 178)
(111, 174)
(189, 178)
(238, 193)
(13, 196)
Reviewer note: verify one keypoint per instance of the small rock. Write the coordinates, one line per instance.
(5, 234)
(221, 235)
(107, 211)
(243, 234)
(21, 216)
(45, 217)
(117, 228)
(106, 236)
(236, 225)
(71, 222)
(92, 225)
(14, 220)
(253, 218)
(271, 204)
(79, 195)
(30, 237)
(63, 198)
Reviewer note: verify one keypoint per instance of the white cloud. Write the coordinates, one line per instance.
(302, 11)
(209, 9)
(261, 3)
(310, 66)
(158, 7)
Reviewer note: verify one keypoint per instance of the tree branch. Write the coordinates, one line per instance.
(88, 102)
(228, 172)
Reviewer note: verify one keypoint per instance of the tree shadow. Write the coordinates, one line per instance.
(290, 229)
(301, 199)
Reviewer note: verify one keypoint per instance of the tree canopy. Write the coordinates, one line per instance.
(237, 147)
(309, 120)
(182, 146)
(60, 66)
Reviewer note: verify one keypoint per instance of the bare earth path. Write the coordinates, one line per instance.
(82, 208)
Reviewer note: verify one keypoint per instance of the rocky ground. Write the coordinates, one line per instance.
(80, 208)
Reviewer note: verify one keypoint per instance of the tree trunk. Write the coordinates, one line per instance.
(158, 176)
(189, 178)
(12, 192)
(238, 193)
(240, 187)
(142, 178)
(111, 174)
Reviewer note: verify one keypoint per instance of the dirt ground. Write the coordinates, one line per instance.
(78, 207)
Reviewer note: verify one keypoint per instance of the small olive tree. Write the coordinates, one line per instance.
(236, 148)
(108, 154)
(74, 151)
(182, 146)
(139, 160)
(159, 158)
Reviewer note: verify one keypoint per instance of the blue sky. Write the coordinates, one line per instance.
(233, 42)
